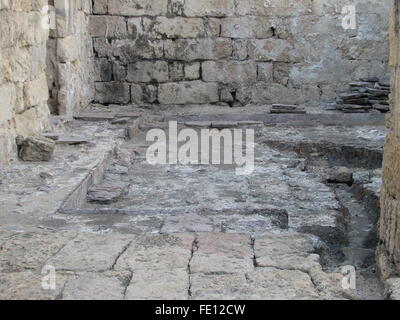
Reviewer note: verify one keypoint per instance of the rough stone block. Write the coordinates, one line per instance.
(188, 92)
(211, 8)
(138, 7)
(198, 49)
(229, 71)
(106, 26)
(278, 50)
(148, 71)
(112, 92)
(37, 148)
(246, 27)
(177, 27)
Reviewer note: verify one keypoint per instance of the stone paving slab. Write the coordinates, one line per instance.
(30, 251)
(91, 252)
(276, 284)
(27, 285)
(288, 251)
(222, 253)
(167, 266)
(159, 284)
(220, 286)
(155, 252)
(95, 286)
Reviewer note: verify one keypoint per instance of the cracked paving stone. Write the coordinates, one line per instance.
(27, 285)
(222, 253)
(91, 252)
(275, 284)
(287, 251)
(220, 287)
(159, 284)
(157, 251)
(95, 286)
(30, 251)
(190, 223)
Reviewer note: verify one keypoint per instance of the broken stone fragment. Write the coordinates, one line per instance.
(105, 193)
(37, 148)
(340, 175)
(372, 79)
(381, 108)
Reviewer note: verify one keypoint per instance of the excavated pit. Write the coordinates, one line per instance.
(297, 185)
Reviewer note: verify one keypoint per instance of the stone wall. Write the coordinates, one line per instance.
(70, 57)
(234, 52)
(23, 86)
(389, 224)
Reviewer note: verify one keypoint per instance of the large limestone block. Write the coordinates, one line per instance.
(277, 50)
(36, 91)
(229, 71)
(246, 27)
(148, 71)
(31, 250)
(211, 8)
(177, 27)
(37, 148)
(220, 253)
(157, 252)
(131, 51)
(159, 285)
(112, 92)
(68, 49)
(138, 7)
(106, 26)
(91, 252)
(198, 49)
(284, 8)
(7, 101)
(188, 92)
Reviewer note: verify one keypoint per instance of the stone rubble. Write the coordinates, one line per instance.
(366, 95)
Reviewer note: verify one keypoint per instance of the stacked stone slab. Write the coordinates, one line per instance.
(233, 52)
(23, 84)
(365, 95)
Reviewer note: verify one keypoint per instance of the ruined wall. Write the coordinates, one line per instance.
(70, 57)
(389, 224)
(234, 52)
(23, 86)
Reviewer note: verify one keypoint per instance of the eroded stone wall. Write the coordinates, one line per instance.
(389, 225)
(70, 57)
(23, 84)
(234, 52)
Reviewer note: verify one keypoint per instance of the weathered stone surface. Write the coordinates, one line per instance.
(278, 50)
(222, 253)
(157, 252)
(198, 49)
(91, 252)
(276, 284)
(188, 92)
(105, 193)
(28, 286)
(286, 251)
(112, 92)
(189, 223)
(30, 251)
(107, 26)
(148, 71)
(37, 148)
(158, 284)
(137, 8)
(229, 71)
(177, 27)
(196, 8)
(95, 286)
